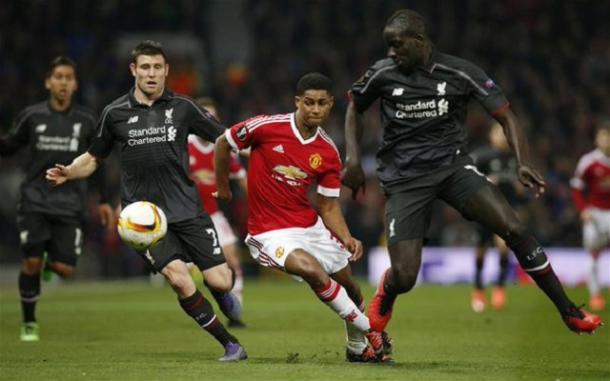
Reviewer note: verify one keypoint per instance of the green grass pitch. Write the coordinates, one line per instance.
(132, 331)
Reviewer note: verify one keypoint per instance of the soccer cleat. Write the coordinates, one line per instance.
(581, 321)
(233, 352)
(380, 308)
(597, 302)
(477, 301)
(498, 298)
(29, 331)
(376, 342)
(388, 343)
(236, 324)
(367, 355)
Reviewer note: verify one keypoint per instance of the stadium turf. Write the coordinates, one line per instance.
(132, 331)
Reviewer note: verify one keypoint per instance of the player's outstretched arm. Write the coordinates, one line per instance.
(516, 138)
(330, 211)
(81, 167)
(222, 154)
(353, 175)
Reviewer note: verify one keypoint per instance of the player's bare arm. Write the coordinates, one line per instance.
(353, 175)
(528, 176)
(81, 167)
(222, 154)
(330, 211)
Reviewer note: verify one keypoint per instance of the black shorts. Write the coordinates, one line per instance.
(407, 208)
(193, 240)
(60, 237)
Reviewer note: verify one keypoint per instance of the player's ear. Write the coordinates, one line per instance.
(331, 102)
(297, 100)
(166, 69)
(132, 68)
(47, 84)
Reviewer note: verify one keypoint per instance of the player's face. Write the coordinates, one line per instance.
(602, 140)
(62, 83)
(405, 47)
(313, 107)
(150, 73)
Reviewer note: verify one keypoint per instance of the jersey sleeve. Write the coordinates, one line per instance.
(244, 134)
(236, 171)
(101, 144)
(18, 136)
(365, 90)
(329, 181)
(202, 123)
(484, 89)
(579, 180)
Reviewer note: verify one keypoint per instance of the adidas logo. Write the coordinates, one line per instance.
(279, 148)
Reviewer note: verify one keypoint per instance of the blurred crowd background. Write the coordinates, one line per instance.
(551, 57)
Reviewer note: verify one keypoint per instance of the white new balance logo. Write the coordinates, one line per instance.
(133, 119)
(398, 92)
(279, 148)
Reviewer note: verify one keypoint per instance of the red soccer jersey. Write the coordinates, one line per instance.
(282, 167)
(201, 158)
(593, 176)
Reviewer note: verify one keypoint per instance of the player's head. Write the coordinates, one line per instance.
(61, 79)
(497, 138)
(313, 99)
(209, 105)
(602, 136)
(407, 40)
(149, 67)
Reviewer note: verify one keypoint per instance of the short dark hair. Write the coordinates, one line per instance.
(408, 19)
(206, 102)
(60, 61)
(603, 125)
(148, 48)
(314, 81)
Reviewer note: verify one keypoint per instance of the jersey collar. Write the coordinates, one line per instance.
(166, 96)
(297, 133)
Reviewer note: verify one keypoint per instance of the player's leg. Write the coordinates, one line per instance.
(498, 295)
(594, 239)
(164, 258)
(489, 207)
(65, 245)
(357, 349)
(407, 216)
(34, 232)
(228, 241)
(200, 239)
(477, 298)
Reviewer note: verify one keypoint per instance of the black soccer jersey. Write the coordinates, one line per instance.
(53, 137)
(423, 113)
(152, 144)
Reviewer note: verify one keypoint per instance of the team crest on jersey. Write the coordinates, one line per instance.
(315, 160)
(169, 119)
(279, 252)
(242, 133)
(290, 172)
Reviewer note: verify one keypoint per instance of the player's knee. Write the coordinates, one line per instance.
(63, 270)
(404, 279)
(31, 266)
(178, 280)
(308, 268)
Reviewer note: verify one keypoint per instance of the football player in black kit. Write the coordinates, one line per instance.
(498, 163)
(149, 125)
(50, 219)
(424, 94)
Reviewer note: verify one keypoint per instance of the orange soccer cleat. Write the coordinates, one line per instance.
(477, 301)
(581, 321)
(498, 298)
(597, 302)
(380, 308)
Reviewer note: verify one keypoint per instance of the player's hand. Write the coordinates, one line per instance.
(224, 195)
(353, 178)
(354, 246)
(531, 179)
(585, 215)
(57, 175)
(106, 215)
